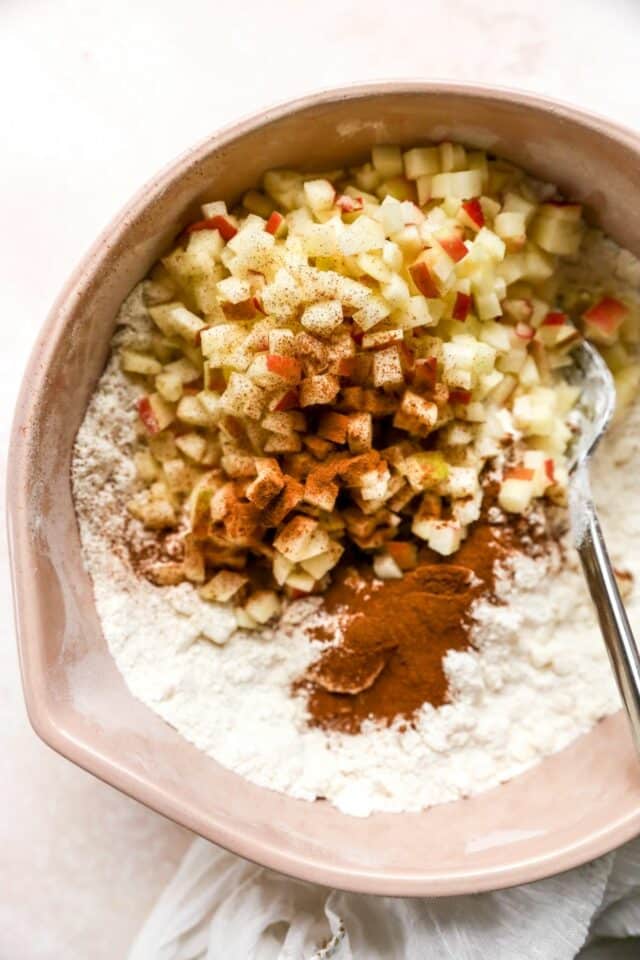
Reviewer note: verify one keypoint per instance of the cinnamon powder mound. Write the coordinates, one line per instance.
(395, 635)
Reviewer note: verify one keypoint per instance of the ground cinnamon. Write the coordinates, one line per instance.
(389, 660)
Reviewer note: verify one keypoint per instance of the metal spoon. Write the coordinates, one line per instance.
(595, 412)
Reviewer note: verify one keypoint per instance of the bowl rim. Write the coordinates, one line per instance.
(32, 666)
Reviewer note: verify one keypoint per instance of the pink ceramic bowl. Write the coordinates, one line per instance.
(568, 809)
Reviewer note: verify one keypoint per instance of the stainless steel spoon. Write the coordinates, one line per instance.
(595, 411)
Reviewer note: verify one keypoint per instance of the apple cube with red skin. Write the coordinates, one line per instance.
(524, 331)
(604, 319)
(349, 204)
(155, 413)
(222, 224)
(459, 396)
(471, 214)
(423, 279)
(289, 400)
(276, 224)
(289, 368)
(555, 318)
(454, 245)
(461, 306)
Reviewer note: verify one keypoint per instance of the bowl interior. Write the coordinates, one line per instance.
(78, 701)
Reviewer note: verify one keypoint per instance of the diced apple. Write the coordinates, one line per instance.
(283, 443)
(224, 586)
(488, 306)
(322, 318)
(301, 582)
(301, 538)
(174, 318)
(415, 407)
(276, 224)
(186, 371)
(422, 277)
(223, 224)
(243, 398)
(372, 313)
(387, 368)
(459, 396)
(423, 187)
(349, 204)
(362, 235)
(155, 413)
(217, 208)
(534, 413)
(539, 265)
(267, 484)
(192, 445)
(515, 494)
(471, 214)
(288, 368)
(263, 605)
(382, 338)
(233, 290)
(285, 421)
(243, 620)
(463, 184)
(420, 161)
(511, 227)
(319, 389)
(452, 156)
(320, 194)
(360, 432)
(453, 245)
(603, 320)
(282, 296)
(386, 568)
(556, 234)
(461, 306)
(219, 341)
(146, 466)
(443, 536)
(133, 362)
(320, 492)
(391, 215)
(396, 292)
(425, 470)
(515, 203)
(153, 510)
(322, 563)
(387, 161)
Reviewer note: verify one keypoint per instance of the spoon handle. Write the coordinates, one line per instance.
(616, 631)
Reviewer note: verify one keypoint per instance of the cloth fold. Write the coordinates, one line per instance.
(219, 907)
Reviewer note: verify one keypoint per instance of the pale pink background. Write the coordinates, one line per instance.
(95, 99)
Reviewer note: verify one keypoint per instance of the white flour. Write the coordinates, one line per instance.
(539, 675)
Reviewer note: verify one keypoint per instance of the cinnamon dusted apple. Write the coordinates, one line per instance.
(336, 366)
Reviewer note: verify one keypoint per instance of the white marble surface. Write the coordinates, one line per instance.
(94, 99)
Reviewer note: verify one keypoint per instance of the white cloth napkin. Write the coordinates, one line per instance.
(219, 907)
